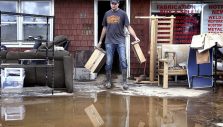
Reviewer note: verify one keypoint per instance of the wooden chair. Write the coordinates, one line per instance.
(169, 56)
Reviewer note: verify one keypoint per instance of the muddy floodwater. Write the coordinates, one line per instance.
(111, 110)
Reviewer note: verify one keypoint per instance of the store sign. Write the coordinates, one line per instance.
(213, 18)
(186, 23)
(177, 8)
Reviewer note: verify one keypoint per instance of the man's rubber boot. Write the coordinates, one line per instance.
(108, 84)
(124, 81)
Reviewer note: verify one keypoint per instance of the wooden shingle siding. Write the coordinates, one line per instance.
(75, 19)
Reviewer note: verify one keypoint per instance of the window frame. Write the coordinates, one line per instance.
(20, 43)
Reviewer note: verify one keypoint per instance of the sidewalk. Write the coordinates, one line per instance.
(179, 89)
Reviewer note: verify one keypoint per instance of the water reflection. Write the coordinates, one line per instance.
(206, 111)
(109, 110)
(12, 109)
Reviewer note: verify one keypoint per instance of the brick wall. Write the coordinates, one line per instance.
(75, 19)
(141, 27)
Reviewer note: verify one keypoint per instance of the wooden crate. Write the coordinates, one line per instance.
(96, 61)
(138, 52)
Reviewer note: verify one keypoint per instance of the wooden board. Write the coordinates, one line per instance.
(174, 72)
(153, 48)
(144, 81)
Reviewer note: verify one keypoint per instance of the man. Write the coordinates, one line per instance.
(114, 22)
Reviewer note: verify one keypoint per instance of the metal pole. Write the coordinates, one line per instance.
(215, 66)
(53, 57)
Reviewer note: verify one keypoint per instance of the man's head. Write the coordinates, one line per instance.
(114, 1)
(114, 4)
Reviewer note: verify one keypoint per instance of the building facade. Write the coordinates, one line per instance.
(80, 21)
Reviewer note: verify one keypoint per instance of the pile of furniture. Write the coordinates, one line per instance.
(62, 75)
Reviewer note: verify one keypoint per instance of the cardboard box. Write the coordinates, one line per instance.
(138, 52)
(96, 61)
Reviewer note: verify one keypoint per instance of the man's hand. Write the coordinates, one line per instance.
(99, 44)
(137, 39)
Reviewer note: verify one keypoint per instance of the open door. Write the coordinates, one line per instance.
(101, 6)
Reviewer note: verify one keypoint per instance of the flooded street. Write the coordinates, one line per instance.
(112, 110)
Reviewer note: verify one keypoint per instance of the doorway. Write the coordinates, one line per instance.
(104, 6)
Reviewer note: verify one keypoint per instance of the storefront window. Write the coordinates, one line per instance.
(191, 17)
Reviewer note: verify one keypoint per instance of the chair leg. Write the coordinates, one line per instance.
(175, 78)
(165, 75)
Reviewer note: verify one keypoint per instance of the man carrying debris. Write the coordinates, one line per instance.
(114, 22)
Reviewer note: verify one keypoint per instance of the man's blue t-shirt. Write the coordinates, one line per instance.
(114, 21)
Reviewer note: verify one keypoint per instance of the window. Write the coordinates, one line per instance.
(9, 23)
(17, 28)
(191, 17)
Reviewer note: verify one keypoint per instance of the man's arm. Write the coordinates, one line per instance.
(103, 32)
(132, 32)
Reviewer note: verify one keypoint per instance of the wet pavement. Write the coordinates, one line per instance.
(107, 109)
